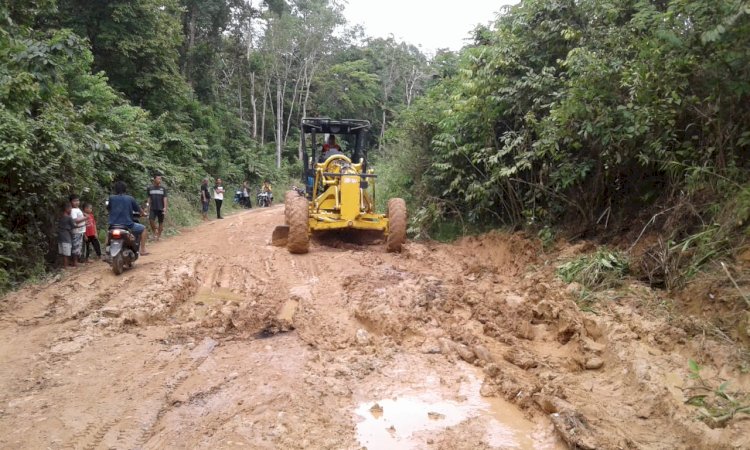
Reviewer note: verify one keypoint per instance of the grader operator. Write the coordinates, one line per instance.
(339, 191)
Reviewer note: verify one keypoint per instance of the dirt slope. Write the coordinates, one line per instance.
(219, 340)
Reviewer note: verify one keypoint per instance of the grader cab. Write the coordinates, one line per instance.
(339, 191)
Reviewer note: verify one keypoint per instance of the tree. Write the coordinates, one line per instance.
(136, 43)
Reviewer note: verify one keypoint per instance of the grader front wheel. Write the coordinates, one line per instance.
(299, 236)
(397, 218)
(288, 197)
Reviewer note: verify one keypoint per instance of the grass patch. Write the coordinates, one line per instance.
(601, 270)
(717, 405)
(182, 213)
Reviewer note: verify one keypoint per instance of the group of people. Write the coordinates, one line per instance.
(218, 196)
(77, 227)
(77, 231)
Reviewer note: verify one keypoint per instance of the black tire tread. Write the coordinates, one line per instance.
(397, 224)
(299, 236)
(118, 265)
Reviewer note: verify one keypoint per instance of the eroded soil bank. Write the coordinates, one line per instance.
(219, 340)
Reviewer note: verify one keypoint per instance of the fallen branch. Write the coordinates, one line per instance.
(747, 300)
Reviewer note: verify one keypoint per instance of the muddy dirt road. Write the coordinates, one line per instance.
(220, 340)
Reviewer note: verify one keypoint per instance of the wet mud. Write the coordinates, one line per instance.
(219, 339)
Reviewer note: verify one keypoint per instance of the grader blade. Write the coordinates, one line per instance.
(280, 236)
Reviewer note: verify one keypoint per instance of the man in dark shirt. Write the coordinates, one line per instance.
(65, 228)
(157, 200)
(121, 207)
(205, 198)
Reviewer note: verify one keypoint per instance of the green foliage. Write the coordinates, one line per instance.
(64, 129)
(717, 405)
(565, 109)
(547, 236)
(602, 269)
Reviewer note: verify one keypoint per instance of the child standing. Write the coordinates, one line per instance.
(91, 237)
(65, 228)
(80, 222)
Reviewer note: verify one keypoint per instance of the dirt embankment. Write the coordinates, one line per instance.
(220, 340)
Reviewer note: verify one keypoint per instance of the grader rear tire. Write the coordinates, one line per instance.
(299, 236)
(397, 217)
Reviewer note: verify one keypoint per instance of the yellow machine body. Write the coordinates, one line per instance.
(345, 198)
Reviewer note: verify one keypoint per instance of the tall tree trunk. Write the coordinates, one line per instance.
(279, 122)
(382, 131)
(190, 43)
(263, 114)
(239, 93)
(304, 112)
(308, 83)
(255, 107)
(291, 109)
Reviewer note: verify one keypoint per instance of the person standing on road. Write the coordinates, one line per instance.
(157, 199)
(65, 228)
(246, 195)
(80, 222)
(91, 238)
(205, 199)
(218, 197)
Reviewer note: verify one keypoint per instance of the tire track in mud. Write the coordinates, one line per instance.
(186, 369)
(91, 436)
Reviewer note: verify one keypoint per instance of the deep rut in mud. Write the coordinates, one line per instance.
(220, 340)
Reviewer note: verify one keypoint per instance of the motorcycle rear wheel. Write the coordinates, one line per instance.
(118, 265)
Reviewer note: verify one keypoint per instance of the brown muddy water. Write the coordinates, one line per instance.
(411, 421)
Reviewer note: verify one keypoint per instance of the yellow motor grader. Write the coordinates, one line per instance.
(339, 191)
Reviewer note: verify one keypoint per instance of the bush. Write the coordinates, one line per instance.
(602, 269)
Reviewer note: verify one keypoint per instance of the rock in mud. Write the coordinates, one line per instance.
(573, 429)
(492, 370)
(483, 354)
(447, 347)
(109, 311)
(594, 363)
(520, 359)
(465, 353)
(551, 404)
(430, 347)
(362, 337)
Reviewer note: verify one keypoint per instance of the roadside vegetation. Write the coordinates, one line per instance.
(623, 121)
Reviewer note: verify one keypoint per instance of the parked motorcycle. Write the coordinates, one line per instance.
(241, 200)
(265, 199)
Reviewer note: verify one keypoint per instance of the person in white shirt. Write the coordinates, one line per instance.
(218, 197)
(80, 222)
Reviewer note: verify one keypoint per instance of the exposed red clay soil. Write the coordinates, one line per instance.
(220, 340)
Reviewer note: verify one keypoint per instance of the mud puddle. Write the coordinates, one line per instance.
(412, 421)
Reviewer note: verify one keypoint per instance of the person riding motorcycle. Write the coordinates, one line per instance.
(267, 188)
(121, 207)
